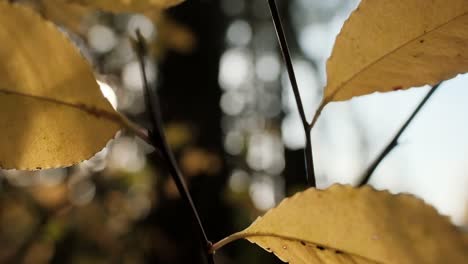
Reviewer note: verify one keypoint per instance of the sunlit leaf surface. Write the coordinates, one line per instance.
(350, 225)
(391, 45)
(52, 113)
(69, 15)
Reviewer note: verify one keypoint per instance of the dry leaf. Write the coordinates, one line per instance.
(70, 15)
(138, 6)
(350, 225)
(390, 45)
(52, 113)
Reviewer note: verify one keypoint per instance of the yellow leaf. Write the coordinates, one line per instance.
(355, 225)
(52, 113)
(390, 45)
(138, 6)
(70, 15)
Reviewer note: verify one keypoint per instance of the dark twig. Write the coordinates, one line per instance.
(292, 77)
(394, 142)
(158, 138)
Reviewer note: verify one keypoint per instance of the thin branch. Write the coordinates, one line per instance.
(394, 142)
(158, 139)
(292, 77)
(134, 128)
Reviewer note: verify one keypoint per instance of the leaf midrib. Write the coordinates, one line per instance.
(94, 111)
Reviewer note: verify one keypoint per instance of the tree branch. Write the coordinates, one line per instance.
(394, 142)
(158, 139)
(309, 160)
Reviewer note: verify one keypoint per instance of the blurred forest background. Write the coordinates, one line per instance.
(233, 124)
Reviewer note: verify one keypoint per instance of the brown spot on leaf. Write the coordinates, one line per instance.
(397, 88)
(303, 243)
(421, 41)
(320, 248)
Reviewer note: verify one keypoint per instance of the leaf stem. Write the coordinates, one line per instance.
(134, 128)
(218, 245)
(318, 112)
(394, 142)
(158, 139)
(292, 77)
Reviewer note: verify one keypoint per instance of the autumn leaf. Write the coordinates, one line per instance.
(391, 45)
(355, 225)
(70, 15)
(52, 113)
(138, 6)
